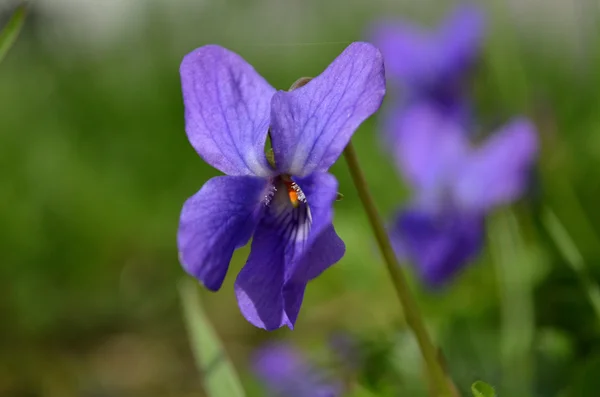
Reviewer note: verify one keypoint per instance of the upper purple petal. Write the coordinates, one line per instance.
(439, 244)
(312, 125)
(227, 110)
(286, 373)
(429, 148)
(431, 62)
(461, 37)
(498, 171)
(409, 51)
(214, 222)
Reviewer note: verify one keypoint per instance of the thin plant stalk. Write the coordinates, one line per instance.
(443, 385)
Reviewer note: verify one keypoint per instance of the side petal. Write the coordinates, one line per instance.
(326, 250)
(324, 247)
(498, 172)
(312, 125)
(214, 222)
(428, 146)
(439, 245)
(227, 110)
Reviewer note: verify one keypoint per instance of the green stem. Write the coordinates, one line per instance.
(442, 384)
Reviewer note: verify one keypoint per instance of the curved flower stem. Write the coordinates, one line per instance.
(441, 383)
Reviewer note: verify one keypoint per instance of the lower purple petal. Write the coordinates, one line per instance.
(214, 222)
(293, 295)
(440, 245)
(291, 246)
(259, 284)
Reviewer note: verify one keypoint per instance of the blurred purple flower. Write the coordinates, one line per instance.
(456, 185)
(229, 109)
(433, 65)
(286, 373)
(347, 350)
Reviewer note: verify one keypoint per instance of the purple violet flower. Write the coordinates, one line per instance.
(456, 185)
(286, 373)
(433, 65)
(229, 109)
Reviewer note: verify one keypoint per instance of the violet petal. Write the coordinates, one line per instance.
(215, 221)
(312, 125)
(324, 247)
(286, 373)
(498, 171)
(227, 110)
(291, 245)
(429, 147)
(439, 244)
(461, 37)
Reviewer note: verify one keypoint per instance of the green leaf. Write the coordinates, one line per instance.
(218, 374)
(9, 34)
(482, 389)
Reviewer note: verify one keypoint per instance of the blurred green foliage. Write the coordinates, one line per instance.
(96, 166)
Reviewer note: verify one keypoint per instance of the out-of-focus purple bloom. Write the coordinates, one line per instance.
(433, 64)
(347, 350)
(456, 185)
(229, 109)
(286, 373)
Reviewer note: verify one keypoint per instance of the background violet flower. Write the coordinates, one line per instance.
(433, 65)
(456, 185)
(229, 109)
(286, 373)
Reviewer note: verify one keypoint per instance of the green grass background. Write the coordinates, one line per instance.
(95, 166)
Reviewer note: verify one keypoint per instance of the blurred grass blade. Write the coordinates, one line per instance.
(9, 34)
(482, 389)
(515, 274)
(218, 374)
(569, 251)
